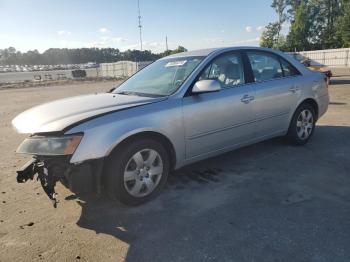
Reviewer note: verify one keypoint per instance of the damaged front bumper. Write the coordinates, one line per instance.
(82, 178)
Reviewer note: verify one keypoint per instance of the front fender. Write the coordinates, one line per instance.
(103, 134)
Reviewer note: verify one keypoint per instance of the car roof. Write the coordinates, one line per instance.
(212, 52)
(200, 52)
(208, 51)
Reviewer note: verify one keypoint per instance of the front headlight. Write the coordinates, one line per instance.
(50, 146)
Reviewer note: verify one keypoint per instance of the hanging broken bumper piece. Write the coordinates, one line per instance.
(46, 178)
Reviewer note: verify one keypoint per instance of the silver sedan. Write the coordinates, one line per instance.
(178, 110)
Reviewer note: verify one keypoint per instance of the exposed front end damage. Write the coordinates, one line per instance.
(81, 178)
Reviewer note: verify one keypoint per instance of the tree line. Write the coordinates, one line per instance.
(314, 24)
(55, 56)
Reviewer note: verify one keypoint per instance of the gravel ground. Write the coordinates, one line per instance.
(266, 202)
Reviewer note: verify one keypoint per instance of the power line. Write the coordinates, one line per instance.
(140, 26)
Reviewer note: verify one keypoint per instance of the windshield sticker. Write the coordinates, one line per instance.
(176, 63)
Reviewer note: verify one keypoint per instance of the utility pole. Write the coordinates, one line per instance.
(140, 26)
(166, 44)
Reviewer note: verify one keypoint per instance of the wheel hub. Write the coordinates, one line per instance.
(143, 172)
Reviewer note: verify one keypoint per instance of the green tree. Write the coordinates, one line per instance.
(279, 6)
(315, 24)
(343, 24)
(298, 38)
(269, 36)
(54, 56)
(179, 49)
(326, 21)
(292, 8)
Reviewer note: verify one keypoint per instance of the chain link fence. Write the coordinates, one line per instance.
(121, 69)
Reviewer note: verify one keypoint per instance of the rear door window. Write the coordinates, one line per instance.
(265, 66)
(288, 69)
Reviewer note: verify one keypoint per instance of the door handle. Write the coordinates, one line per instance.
(247, 98)
(293, 89)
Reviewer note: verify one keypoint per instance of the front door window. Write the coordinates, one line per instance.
(227, 69)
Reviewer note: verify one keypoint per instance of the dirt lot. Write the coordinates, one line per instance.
(267, 202)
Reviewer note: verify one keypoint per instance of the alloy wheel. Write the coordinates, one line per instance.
(305, 124)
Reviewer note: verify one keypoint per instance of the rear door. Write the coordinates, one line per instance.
(276, 91)
(219, 120)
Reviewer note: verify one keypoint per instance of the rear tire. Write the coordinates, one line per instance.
(137, 171)
(302, 126)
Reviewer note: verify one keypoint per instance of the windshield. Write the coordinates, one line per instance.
(160, 78)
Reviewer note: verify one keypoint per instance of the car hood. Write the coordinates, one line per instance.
(57, 115)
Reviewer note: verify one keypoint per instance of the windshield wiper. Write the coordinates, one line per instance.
(137, 94)
(128, 93)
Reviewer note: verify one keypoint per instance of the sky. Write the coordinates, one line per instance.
(194, 24)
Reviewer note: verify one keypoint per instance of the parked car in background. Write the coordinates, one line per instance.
(91, 65)
(314, 66)
(178, 110)
(32, 68)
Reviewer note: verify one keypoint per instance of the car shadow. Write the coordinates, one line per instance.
(266, 202)
(338, 103)
(335, 81)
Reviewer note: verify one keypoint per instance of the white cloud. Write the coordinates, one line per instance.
(247, 41)
(63, 33)
(99, 44)
(119, 40)
(249, 29)
(154, 46)
(103, 30)
(64, 43)
(105, 38)
(260, 28)
(106, 41)
(214, 40)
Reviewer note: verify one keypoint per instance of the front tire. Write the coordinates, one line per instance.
(302, 125)
(137, 171)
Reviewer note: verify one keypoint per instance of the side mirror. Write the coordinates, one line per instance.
(206, 86)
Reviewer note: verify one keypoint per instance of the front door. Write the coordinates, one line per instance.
(219, 120)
